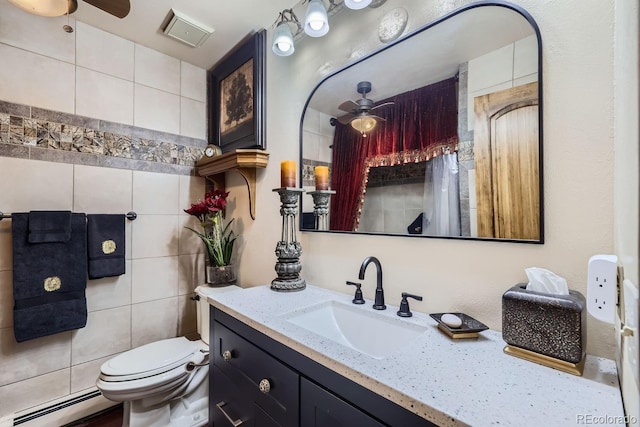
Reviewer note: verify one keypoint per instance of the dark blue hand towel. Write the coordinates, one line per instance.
(49, 280)
(105, 245)
(49, 226)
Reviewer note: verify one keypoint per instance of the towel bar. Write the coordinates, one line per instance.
(130, 215)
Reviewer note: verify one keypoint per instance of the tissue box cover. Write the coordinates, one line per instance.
(552, 325)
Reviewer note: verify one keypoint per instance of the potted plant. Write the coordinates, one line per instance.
(218, 238)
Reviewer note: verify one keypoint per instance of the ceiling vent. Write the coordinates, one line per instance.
(186, 30)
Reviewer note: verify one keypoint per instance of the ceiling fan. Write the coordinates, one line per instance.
(117, 8)
(359, 112)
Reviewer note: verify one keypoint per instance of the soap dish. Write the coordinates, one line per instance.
(469, 329)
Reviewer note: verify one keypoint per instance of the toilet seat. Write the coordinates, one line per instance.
(150, 359)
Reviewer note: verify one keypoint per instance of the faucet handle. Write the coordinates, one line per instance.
(358, 296)
(404, 304)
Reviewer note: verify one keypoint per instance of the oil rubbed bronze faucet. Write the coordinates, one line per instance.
(379, 300)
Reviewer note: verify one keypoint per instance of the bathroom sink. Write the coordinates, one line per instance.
(357, 327)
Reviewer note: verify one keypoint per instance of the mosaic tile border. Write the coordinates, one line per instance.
(39, 134)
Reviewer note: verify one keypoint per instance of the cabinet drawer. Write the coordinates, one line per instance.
(247, 366)
(230, 407)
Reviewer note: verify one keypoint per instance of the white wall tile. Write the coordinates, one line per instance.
(104, 97)
(525, 57)
(157, 70)
(193, 82)
(33, 357)
(154, 278)
(36, 34)
(192, 190)
(84, 375)
(6, 299)
(155, 109)
(6, 256)
(325, 153)
(155, 320)
(51, 82)
(193, 118)
(312, 120)
(156, 193)
(529, 78)
(25, 394)
(191, 272)
(491, 69)
(35, 185)
(109, 292)
(154, 236)
(104, 52)
(102, 190)
(187, 319)
(189, 242)
(107, 332)
(473, 220)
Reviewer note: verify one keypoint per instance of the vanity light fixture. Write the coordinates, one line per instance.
(50, 8)
(283, 43)
(357, 4)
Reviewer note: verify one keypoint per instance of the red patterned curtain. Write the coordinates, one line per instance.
(421, 124)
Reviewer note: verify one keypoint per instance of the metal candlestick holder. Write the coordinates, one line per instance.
(321, 207)
(288, 249)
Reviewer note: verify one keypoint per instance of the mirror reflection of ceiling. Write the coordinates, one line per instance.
(428, 57)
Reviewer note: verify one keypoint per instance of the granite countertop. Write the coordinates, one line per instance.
(448, 382)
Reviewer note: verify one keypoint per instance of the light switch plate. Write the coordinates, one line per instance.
(630, 298)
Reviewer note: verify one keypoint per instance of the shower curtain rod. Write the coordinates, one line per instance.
(130, 215)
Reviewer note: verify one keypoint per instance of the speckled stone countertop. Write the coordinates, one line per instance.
(448, 382)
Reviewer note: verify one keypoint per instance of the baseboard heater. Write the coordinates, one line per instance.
(68, 410)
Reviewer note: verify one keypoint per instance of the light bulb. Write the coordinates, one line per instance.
(283, 40)
(316, 22)
(357, 4)
(284, 46)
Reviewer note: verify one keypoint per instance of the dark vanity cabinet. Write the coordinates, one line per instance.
(257, 381)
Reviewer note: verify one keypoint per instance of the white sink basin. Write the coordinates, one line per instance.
(360, 328)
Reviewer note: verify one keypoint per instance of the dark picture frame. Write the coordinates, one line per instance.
(236, 87)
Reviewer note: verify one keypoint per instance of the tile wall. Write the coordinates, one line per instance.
(96, 82)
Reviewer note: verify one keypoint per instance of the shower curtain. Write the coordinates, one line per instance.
(442, 196)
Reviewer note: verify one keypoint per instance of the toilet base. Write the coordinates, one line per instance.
(189, 411)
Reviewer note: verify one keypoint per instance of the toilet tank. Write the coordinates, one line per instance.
(202, 307)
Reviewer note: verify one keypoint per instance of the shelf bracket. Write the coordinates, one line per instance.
(244, 161)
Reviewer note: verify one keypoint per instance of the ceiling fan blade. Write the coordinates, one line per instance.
(346, 119)
(348, 106)
(384, 104)
(117, 8)
(378, 118)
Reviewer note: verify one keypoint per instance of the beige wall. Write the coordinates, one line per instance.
(466, 276)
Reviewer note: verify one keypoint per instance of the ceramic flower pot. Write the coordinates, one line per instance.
(220, 276)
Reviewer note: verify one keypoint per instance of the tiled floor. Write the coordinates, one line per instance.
(111, 417)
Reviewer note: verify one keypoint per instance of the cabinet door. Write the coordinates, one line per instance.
(320, 408)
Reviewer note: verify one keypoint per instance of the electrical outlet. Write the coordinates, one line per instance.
(630, 297)
(602, 287)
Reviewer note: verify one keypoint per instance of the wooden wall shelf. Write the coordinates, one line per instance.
(243, 160)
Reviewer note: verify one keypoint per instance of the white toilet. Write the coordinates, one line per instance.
(164, 383)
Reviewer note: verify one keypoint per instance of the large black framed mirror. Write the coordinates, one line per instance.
(438, 134)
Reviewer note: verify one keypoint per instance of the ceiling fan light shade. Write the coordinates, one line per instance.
(363, 124)
(283, 40)
(357, 4)
(48, 8)
(316, 22)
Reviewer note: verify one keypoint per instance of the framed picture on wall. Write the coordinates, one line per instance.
(237, 96)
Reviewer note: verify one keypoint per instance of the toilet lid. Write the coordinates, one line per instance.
(150, 359)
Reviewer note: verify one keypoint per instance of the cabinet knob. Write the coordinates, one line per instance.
(265, 386)
(227, 356)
